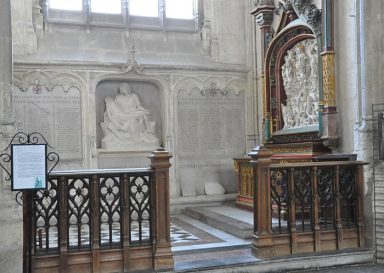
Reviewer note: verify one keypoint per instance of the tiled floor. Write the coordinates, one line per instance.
(209, 237)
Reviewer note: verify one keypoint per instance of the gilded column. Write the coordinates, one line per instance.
(329, 115)
(263, 13)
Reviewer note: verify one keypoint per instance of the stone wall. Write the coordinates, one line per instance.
(79, 57)
(359, 59)
(10, 212)
(58, 67)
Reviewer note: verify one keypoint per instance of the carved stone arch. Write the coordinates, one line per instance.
(189, 85)
(67, 80)
(274, 94)
(235, 85)
(35, 78)
(215, 84)
(48, 80)
(302, 10)
(157, 81)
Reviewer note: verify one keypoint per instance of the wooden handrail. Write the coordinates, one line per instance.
(317, 164)
(99, 171)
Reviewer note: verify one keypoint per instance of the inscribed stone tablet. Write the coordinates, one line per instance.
(211, 131)
(55, 114)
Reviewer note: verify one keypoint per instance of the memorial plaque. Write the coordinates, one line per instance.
(55, 114)
(211, 131)
(190, 118)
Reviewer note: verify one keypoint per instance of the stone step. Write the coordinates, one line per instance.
(233, 261)
(221, 221)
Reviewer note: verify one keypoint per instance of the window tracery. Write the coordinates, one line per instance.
(162, 14)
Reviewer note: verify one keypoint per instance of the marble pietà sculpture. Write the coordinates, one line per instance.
(127, 125)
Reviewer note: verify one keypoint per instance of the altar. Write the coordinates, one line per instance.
(298, 98)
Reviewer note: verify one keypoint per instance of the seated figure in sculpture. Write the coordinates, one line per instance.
(126, 123)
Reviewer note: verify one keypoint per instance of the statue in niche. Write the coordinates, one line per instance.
(206, 35)
(126, 123)
(301, 84)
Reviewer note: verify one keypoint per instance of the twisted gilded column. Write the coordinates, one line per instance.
(328, 104)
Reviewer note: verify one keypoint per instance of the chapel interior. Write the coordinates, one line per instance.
(181, 128)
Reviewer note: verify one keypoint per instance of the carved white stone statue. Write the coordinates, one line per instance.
(206, 35)
(300, 76)
(126, 124)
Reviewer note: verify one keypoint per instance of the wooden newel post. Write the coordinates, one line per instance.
(262, 245)
(163, 258)
(360, 204)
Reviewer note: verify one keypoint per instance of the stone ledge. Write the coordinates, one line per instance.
(180, 203)
(286, 264)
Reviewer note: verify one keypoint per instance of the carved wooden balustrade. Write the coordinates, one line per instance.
(102, 220)
(306, 207)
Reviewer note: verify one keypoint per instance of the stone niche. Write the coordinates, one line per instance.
(125, 136)
(53, 112)
(211, 130)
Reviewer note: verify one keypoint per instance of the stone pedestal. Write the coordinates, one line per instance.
(122, 159)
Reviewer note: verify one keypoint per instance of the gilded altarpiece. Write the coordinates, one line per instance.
(292, 95)
(293, 92)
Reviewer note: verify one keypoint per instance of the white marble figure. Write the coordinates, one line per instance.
(300, 76)
(206, 35)
(126, 124)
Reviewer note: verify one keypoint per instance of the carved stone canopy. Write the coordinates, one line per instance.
(307, 12)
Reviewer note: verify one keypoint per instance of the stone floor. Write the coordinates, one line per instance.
(349, 269)
(212, 250)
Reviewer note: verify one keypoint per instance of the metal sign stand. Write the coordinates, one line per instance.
(27, 196)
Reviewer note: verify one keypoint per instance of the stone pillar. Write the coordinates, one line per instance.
(10, 213)
(263, 13)
(329, 130)
(163, 258)
(5, 62)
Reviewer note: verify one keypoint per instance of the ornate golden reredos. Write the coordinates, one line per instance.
(306, 11)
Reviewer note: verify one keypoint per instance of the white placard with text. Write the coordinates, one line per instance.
(29, 167)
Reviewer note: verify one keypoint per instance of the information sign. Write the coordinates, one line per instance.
(29, 166)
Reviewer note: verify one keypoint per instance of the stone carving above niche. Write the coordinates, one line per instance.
(48, 79)
(300, 76)
(305, 10)
(127, 124)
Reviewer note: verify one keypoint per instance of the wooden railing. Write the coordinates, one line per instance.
(306, 207)
(101, 220)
